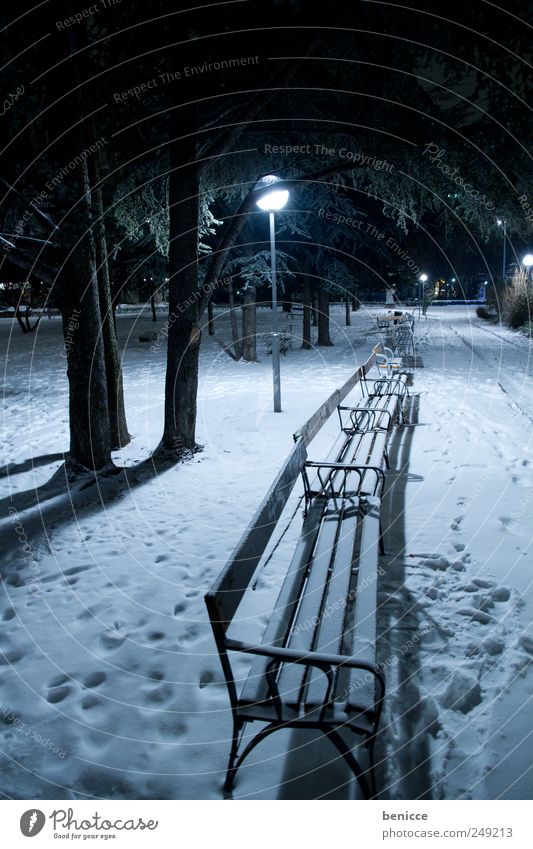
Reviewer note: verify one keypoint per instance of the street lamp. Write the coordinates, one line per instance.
(421, 280)
(271, 198)
(527, 262)
(503, 223)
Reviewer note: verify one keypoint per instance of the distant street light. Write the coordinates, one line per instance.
(503, 223)
(527, 262)
(271, 198)
(421, 280)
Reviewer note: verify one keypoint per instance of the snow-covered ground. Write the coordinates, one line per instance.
(110, 685)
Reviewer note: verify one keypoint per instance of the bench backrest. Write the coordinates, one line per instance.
(227, 592)
(309, 430)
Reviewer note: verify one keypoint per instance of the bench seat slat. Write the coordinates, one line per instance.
(255, 690)
(302, 635)
(361, 686)
(368, 481)
(330, 631)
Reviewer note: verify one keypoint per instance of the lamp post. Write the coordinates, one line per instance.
(421, 280)
(272, 197)
(527, 262)
(503, 224)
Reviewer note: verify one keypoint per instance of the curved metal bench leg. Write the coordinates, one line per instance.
(372, 766)
(345, 751)
(230, 773)
(234, 767)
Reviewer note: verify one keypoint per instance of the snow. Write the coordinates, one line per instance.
(110, 685)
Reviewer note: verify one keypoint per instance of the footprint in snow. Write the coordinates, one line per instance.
(57, 694)
(8, 614)
(456, 524)
(9, 657)
(173, 727)
(90, 701)
(94, 679)
(155, 675)
(501, 594)
(189, 635)
(482, 583)
(206, 678)
(75, 569)
(476, 615)
(87, 613)
(159, 695)
(112, 640)
(506, 521)
(527, 643)
(58, 680)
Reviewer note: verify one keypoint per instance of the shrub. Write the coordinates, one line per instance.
(527, 328)
(486, 314)
(517, 301)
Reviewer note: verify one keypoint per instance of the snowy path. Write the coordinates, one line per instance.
(467, 563)
(111, 660)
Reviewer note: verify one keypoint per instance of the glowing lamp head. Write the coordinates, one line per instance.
(528, 260)
(271, 196)
(423, 278)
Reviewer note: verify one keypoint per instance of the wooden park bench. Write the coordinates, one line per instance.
(285, 342)
(315, 666)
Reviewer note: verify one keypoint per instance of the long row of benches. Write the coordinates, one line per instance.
(316, 664)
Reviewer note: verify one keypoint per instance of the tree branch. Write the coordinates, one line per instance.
(239, 219)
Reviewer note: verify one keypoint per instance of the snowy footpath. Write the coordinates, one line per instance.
(110, 685)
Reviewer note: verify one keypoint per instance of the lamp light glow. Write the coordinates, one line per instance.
(271, 196)
(528, 260)
(274, 200)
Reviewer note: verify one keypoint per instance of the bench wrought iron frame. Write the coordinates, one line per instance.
(317, 719)
(223, 600)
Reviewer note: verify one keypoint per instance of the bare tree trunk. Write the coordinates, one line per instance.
(323, 317)
(314, 307)
(90, 435)
(348, 312)
(152, 302)
(210, 318)
(237, 341)
(306, 333)
(20, 320)
(90, 432)
(115, 387)
(181, 383)
(249, 325)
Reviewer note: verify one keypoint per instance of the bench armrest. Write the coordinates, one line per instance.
(360, 468)
(310, 659)
(316, 464)
(396, 384)
(324, 661)
(366, 412)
